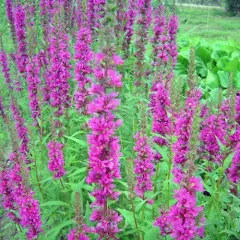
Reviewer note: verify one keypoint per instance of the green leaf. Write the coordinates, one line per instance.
(212, 80)
(55, 203)
(224, 78)
(56, 230)
(228, 161)
(128, 216)
(80, 142)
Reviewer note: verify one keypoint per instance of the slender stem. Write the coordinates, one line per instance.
(169, 173)
(62, 184)
(36, 170)
(135, 219)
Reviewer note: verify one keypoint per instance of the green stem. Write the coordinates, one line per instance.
(135, 219)
(169, 173)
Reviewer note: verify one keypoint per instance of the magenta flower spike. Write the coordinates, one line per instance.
(83, 55)
(21, 130)
(5, 69)
(56, 159)
(182, 219)
(59, 73)
(20, 27)
(160, 104)
(104, 150)
(131, 14)
(33, 82)
(10, 16)
(144, 167)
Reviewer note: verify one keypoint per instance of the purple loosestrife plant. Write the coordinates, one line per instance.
(10, 16)
(20, 27)
(214, 128)
(83, 55)
(143, 20)
(159, 28)
(172, 31)
(21, 130)
(29, 211)
(182, 219)
(5, 69)
(104, 150)
(160, 104)
(183, 127)
(59, 73)
(128, 28)
(33, 82)
(143, 165)
(56, 159)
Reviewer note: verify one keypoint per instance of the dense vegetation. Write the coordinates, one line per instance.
(116, 123)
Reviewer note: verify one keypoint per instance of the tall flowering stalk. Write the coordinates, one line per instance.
(21, 130)
(144, 20)
(80, 231)
(5, 69)
(172, 31)
(33, 82)
(128, 28)
(160, 106)
(20, 27)
(16, 190)
(185, 220)
(83, 55)
(183, 128)
(59, 72)
(143, 165)
(159, 28)
(104, 147)
(10, 15)
(104, 151)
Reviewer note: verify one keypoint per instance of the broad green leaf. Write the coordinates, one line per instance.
(212, 80)
(224, 78)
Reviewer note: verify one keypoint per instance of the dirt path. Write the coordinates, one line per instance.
(198, 6)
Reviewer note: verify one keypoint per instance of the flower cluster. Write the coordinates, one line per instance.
(143, 165)
(59, 72)
(82, 69)
(128, 28)
(21, 129)
(214, 129)
(56, 159)
(104, 150)
(159, 27)
(18, 197)
(160, 102)
(182, 219)
(20, 27)
(73, 235)
(10, 15)
(172, 31)
(33, 81)
(183, 127)
(5, 69)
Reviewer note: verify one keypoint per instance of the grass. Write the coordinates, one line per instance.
(207, 23)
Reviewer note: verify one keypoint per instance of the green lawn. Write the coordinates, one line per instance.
(210, 24)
